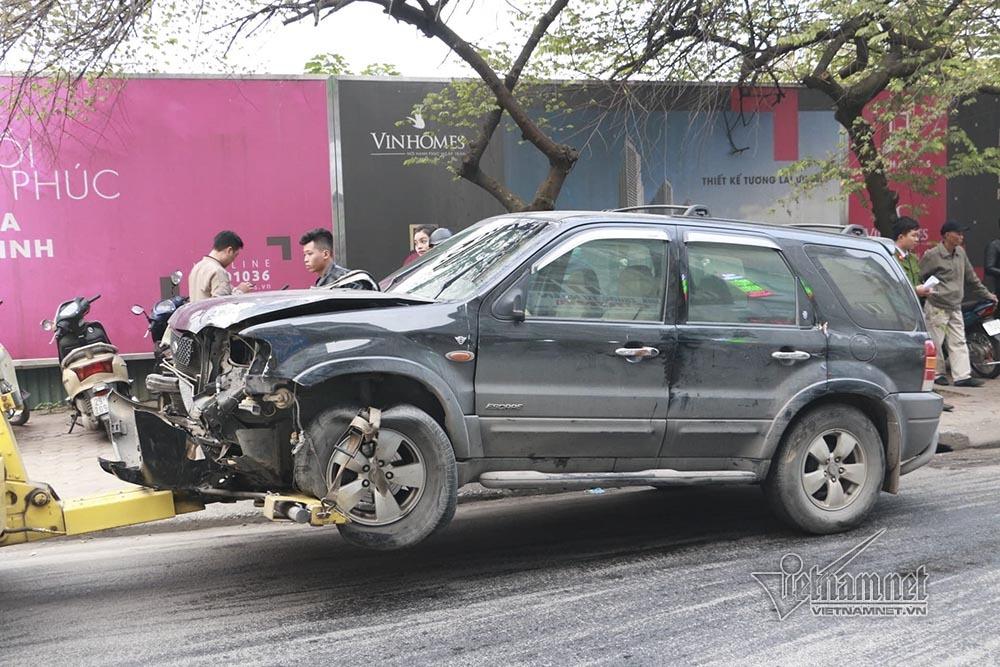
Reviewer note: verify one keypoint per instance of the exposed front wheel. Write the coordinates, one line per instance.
(827, 473)
(396, 494)
(984, 353)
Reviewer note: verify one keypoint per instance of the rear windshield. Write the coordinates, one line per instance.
(868, 289)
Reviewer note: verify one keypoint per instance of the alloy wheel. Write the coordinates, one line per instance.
(384, 488)
(834, 470)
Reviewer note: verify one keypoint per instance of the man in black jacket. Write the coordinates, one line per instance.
(317, 251)
(992, 264)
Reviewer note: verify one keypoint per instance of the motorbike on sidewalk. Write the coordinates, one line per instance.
(91, 366)
(157, 320)
(982, 336)
(19, 413)
(159, 315)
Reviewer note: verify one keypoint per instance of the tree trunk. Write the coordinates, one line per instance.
(883, 198)
(548, 190)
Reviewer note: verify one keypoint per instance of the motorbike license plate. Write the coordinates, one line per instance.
(992, 327)
(99, 406)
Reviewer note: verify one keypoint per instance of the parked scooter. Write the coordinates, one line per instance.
(982, 335)
(19, 413)
(160, 314)
(91, 366)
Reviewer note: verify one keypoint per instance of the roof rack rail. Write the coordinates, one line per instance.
(851, 229)
(695, 211)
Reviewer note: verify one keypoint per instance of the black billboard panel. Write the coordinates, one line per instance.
(975, 200)
(384, 198)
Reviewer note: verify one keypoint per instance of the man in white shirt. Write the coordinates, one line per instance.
(209, 277)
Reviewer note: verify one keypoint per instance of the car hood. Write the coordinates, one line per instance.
(248, 309)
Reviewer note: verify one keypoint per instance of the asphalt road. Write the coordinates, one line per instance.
(637, 576)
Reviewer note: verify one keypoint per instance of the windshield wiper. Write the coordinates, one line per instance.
(449, 282)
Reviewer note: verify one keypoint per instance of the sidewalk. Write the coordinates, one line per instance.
(975, 421)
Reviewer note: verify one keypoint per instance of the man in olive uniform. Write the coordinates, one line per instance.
(906, 234)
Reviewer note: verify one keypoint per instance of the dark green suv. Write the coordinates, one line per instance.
(557, 350)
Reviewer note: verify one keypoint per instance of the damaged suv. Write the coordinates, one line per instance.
(564, 350)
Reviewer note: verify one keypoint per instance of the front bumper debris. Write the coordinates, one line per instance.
(151, 451)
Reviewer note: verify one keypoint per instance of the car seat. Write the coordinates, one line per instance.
(581, 295)
(637, 296)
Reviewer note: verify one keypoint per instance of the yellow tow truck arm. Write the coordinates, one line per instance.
(32, 511)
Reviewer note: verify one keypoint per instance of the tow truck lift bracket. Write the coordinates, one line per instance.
(31, 511)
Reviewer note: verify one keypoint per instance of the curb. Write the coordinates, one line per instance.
(957, 440)
(954, 392)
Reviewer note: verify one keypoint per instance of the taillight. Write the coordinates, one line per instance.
(84, 372)
(930, 365)
(988, 311)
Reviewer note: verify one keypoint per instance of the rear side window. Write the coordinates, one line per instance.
(737, 284)
(869, 291)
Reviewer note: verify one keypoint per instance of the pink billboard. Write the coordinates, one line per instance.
(113, 199)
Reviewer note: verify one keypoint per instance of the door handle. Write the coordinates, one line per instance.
(795, 355)
(637, 354)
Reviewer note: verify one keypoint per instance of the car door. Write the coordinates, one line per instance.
(747, 342)
(584, 372)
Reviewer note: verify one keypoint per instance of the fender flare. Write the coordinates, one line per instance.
(851, 387)
(454, 418)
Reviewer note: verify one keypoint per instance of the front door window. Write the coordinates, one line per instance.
(607, 279)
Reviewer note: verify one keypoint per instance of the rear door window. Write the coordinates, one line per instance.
(739, 284)
(866, 286)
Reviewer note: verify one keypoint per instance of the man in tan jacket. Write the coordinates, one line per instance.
(209, 277)
(943, 310)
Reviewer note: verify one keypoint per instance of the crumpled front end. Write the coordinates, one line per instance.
(211, 431)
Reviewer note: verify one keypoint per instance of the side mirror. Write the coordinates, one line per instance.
(518, 308)
(175, 278)
(510, 305)
(48, 325)
(138, 310)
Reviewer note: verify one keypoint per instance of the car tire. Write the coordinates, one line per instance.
(983, 351)
(829, 448)
(419, 449)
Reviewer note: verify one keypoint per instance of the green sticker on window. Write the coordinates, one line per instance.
(751, 289)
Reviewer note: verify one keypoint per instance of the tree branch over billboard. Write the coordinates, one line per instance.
(878, 61)
(426, 17)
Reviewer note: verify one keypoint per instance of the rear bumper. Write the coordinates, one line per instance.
(917, 461)
(919, 416)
